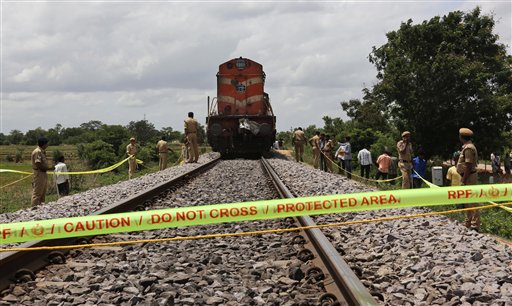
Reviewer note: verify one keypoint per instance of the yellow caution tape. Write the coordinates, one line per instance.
(104, 170)
(246, 211)
(432, 185)
(12, 183)
(238, 234)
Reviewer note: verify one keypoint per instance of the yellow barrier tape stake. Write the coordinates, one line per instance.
(246, 211)
(432, 185)
(260, 232)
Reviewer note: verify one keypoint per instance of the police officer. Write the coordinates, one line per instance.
(131, 150)
(39, 168)
(163, 149)
(315, 144)
(466, 167)
(191, 128)
(404, 147)
(299, 139)
(327, 151)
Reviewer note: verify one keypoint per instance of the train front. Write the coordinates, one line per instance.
(240, 119)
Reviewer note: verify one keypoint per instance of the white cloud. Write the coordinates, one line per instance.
(70, 63)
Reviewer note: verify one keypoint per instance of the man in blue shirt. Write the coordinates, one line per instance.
(420, 166)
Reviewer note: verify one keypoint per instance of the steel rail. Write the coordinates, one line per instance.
(16, 266)
(348, 288)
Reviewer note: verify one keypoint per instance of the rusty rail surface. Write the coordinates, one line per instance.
(341, 282)
(21, 266)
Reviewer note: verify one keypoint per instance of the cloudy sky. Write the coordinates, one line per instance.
(70, 62)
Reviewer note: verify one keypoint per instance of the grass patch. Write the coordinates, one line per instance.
(18, 195)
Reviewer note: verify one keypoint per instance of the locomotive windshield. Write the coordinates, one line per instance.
(240, 64)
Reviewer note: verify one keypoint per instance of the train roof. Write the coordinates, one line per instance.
(240, 63)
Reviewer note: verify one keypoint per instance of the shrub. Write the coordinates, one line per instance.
(19, 155)
(9, 157)
(98, 154)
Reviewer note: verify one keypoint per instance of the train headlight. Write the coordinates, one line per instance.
(216, 129)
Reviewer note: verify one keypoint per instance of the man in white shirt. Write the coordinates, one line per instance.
(365, 160)
(62, 179)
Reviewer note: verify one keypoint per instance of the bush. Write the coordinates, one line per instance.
(9, 157)
(98, 154)
(147, 153)
(19, 155)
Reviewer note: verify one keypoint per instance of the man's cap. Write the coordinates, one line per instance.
(132, 139)
(456, 154)
(465, 132)
(406, 133)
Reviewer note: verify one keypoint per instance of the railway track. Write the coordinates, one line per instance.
(428, 261)
(20, 266)
(342, 284)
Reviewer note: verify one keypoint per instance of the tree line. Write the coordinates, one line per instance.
(101, 144)
(432, 79)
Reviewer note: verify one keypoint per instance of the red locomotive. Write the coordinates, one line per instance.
(240, 119)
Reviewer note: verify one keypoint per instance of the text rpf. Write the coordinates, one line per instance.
(459, 194)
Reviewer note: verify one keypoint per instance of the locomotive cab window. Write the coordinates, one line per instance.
(240, 64)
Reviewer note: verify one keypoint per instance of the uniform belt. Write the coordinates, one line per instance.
(405, 161)
(163, 152)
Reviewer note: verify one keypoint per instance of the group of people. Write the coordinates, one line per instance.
(40, 165)
(412, 169)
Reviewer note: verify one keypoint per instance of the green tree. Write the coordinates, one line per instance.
(115, 135)
(15, 137)
(143, 131)
(171, 134)
(93, 125)
(335, 127)
(54, 135)
(3, 139)
(443, 74)
(366, 114)
(98, 154)
(76, 135)
(32, 136)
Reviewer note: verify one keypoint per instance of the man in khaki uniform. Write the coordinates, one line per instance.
(191, 128)
(315, 144)
(163, 150)
(327, 151)
(39, 168)
(131, 150)
(299, 139)
(466, 167)
(404, 147)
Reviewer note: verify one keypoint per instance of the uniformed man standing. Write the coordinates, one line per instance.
(315, 144)
(39, 168)
(299, 139)
(404, 147)
(163, 150)
(131, 150)
(327, 151)
(466, 167)
(191, 128)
